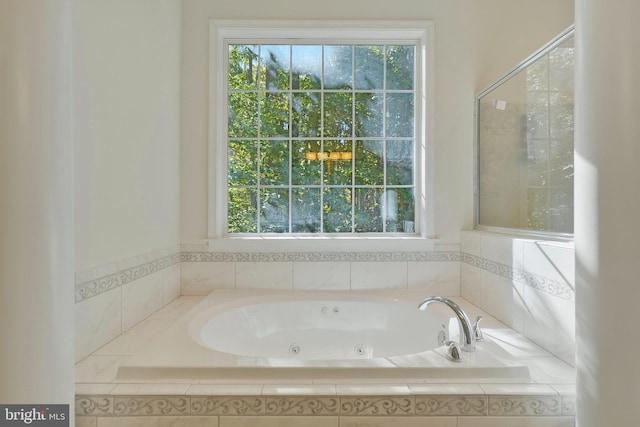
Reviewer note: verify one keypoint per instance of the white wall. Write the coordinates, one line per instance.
(126, 93)
(126, 66)
(476, 43)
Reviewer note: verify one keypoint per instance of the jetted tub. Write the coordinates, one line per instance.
(294, 335)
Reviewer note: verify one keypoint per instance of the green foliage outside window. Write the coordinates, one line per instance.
(320, 138)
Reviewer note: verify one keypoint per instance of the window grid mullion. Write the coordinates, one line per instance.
(322, 144)
(353, 138)
(383, 202)
(259, 146)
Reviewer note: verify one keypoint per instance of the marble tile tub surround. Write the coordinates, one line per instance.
(527, 284)
(97, 280)
(112, 299)
(101, 400)
(436, 272)
(495, 273)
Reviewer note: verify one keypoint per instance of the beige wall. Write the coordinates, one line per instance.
(476, 43)
(126, 67)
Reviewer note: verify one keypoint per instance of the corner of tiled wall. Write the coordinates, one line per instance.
(113, 298)
(528, 284)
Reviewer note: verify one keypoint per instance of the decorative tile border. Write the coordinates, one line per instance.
(569, 405)
(525, 405)
(227, 405)
(156, 405)
(451, 405)
(383, 406)
(319, 256)
(103, 284)
(94, 405)
(377, 405)
(93, 287)
(304, 405)
(535, 281)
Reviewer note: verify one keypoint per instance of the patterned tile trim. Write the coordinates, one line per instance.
(568, 405)
(94, 405)
(307, 405)
(111, 281)
(377, 405)
(535, 281)
(451, 405)
(146, 405)
(318, 256)
(525, 405)
(227, 405)
(384, 406)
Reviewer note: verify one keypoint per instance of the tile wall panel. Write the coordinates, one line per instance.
(528, 284)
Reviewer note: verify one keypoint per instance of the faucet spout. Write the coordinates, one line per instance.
(467, 342)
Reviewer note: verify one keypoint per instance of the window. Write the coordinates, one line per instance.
(319, 130)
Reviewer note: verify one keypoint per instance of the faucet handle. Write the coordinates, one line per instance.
(477, 332)
(453, 352)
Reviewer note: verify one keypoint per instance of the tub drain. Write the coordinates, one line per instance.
(360, 350)
(294, 349)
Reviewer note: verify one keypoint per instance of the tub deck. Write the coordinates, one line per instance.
(544, 397)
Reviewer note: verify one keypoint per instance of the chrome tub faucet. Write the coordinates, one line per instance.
(469, 333)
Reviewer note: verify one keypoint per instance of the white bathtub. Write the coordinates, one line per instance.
(317, 327)
(312, 335)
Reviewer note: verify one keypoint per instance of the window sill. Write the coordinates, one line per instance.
(322, 244)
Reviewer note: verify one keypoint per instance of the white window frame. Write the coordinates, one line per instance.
(420, 32)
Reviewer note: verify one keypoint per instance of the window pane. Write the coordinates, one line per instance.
(400, 114)
(400, 67)
(242, 210)
(274, 210)
(400, 162)
(242, 163)
(406, 210)
(305, 163)
(337, 114)
(337, 210)
(243, 115)
(274, 114)
(369, 67)
(306, 210)
(275, 67)
(306, 67)
(400, 210)
(369, 114)
(337, 162)
(243, 66)
(368, 210)
(338, 65)
(369, 163)
(306, 114)
(274, 162)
